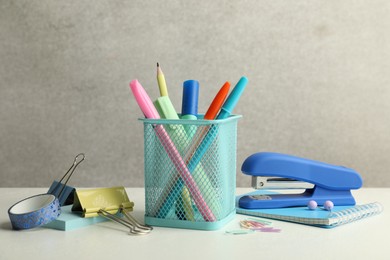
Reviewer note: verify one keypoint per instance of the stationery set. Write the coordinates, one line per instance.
(190, 176)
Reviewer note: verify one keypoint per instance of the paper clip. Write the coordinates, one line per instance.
(61, 190)
(135, 227)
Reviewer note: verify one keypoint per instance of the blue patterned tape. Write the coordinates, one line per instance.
(34, 211)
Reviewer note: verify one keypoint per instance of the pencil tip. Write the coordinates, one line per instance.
(158, 65)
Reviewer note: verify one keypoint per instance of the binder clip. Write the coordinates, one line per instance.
(63, 192)
(110, 203)
(321, 181)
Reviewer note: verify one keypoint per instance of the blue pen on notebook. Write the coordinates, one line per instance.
(195, 158)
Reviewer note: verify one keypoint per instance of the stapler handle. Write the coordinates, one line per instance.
(287, 166)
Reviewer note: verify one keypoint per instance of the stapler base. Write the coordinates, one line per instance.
(320, 195)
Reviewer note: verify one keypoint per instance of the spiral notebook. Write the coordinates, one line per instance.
(340, 215)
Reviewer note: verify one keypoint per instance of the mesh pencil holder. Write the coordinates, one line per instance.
(190, 172)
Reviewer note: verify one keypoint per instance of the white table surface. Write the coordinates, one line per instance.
(364, 239)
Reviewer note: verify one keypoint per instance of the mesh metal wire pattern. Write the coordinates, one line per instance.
(208, 151)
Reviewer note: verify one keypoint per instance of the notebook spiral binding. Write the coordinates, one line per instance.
(356, 213)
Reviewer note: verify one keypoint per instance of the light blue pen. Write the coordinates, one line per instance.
(225, 112)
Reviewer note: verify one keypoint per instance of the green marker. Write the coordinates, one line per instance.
(179, 136)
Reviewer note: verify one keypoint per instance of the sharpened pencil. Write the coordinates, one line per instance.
(161, 81)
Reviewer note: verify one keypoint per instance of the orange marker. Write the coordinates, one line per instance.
(217, 103)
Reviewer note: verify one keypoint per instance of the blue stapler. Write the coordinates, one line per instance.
(321, 181)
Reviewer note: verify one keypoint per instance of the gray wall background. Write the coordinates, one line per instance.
(319, 81)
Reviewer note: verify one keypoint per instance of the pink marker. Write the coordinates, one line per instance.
(148, 109)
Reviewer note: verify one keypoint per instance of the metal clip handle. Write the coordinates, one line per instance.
(135, 227)
(138, 225)
(77, 160)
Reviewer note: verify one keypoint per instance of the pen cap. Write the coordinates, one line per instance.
(190, 97)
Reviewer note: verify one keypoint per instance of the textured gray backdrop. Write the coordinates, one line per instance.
(319, 81)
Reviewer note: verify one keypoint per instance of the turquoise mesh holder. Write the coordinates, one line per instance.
(190, 172)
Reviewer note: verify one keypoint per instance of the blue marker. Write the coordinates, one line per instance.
(189, 107)
(189, 110)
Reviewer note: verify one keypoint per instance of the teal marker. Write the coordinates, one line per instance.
(233, 98)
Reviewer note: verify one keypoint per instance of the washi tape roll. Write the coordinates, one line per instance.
(34, 211)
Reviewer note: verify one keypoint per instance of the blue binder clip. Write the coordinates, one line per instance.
(321, 181)
(62, 191)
